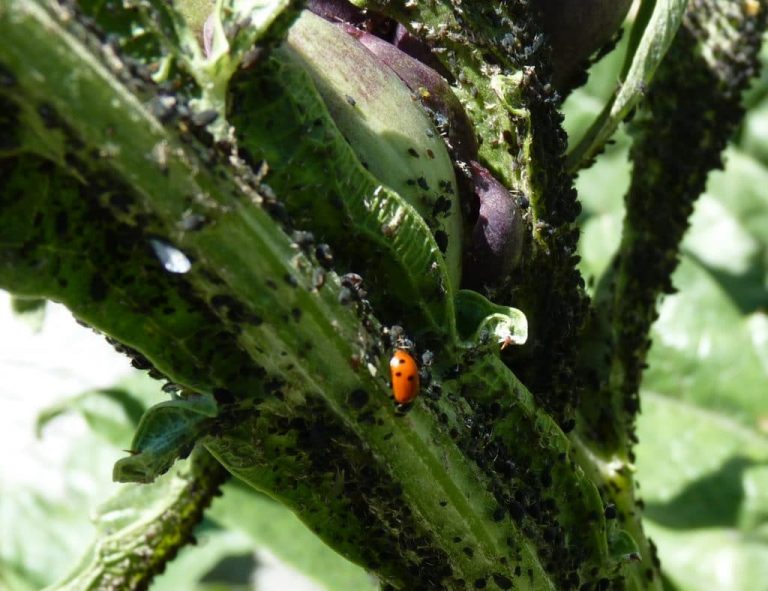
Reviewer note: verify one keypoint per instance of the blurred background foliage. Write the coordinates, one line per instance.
(70, 405)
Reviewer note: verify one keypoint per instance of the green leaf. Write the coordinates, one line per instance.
(704, 485)
(390, 133)
(652, 34)
(372, 230)
(167, 431)
(271, 525)
(739, 188)
(49, 484)
(142, 527)
(308, 414)
(703, 349)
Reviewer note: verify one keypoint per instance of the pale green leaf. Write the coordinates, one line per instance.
(658, 20)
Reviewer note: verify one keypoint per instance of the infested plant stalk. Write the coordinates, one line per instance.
(261, 231)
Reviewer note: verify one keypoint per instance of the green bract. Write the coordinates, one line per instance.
(385, 125)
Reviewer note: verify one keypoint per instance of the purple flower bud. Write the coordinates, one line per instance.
(337, 11)
(578, 28)
(431, 88)
(419, 50)
(497, 239)
(342, 11)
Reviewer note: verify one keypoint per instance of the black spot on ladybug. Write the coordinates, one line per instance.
(480, 583)
(610, 511)
(350, 100)
(413, 152)
(422, 182)
(502, 581)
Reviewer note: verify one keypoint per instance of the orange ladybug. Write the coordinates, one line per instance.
(405, 376)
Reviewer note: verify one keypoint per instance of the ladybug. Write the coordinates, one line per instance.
(405, 376)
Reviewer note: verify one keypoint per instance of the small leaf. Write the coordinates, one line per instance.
(481, 322)
(166, 432)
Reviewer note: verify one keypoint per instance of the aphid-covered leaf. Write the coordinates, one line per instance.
(386, 127)
(371, 229)
(143, 525)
